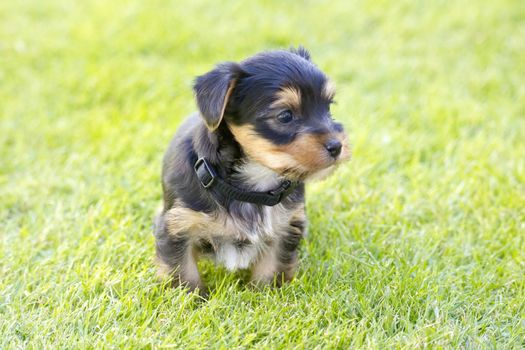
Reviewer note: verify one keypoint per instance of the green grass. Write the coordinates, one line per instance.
(418, 242)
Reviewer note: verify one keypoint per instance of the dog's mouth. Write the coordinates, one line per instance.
(298, 171)
(308, 165)
(311, 158)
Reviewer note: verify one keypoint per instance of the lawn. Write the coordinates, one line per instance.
(418, 242)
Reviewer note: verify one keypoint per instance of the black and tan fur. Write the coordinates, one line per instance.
(260, 122)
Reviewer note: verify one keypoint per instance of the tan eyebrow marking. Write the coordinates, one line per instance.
(329, 90)
(288, 97)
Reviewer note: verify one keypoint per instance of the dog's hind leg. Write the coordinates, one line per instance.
(176, 258)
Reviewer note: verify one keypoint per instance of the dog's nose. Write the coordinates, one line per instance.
(333, 147)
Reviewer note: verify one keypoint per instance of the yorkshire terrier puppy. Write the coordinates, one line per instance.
(233, 176)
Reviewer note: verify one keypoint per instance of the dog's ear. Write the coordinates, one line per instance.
(212, 91)
(301, 51)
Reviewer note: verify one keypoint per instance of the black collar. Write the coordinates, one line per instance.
(209, 179)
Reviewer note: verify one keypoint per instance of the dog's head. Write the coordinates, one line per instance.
(277, 106)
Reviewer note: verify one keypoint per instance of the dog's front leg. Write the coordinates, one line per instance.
(176, 257)
(277, 263)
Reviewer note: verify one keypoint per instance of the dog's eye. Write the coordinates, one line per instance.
(285, 117)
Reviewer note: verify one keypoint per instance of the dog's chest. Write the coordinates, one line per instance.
(249, 229)
(255, 223)
(244, 238)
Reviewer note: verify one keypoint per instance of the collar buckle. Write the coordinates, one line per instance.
(204, 172)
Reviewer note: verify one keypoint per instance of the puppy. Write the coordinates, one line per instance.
(233, 176)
